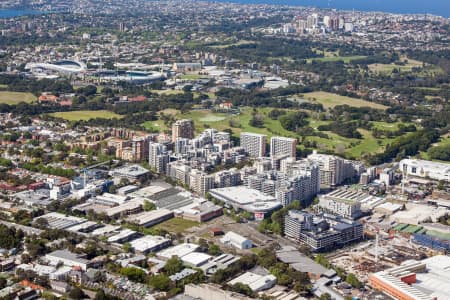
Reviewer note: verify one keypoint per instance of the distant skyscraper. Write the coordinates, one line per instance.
(121, 26)
(280, 146)
(254, 144)
(183, 129)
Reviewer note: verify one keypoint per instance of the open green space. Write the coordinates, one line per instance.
(177, 225)
(444, 141)
(83, 115)
(387, 126)
(345, 59)
(241, 42)
(167, 92)
(13, 98)
(192, 76)
(329, 100)
(407, 66)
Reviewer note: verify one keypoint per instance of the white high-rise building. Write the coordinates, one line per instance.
(280, 146)
(158, 157)
(200, 182)
(254, 144)
(331, 168)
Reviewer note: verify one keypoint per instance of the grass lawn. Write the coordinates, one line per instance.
(79, 115)
(192, 76)
(388, 68)
(16, 97)
(329, 100)
(354, 147)
(388, 126)
(167, 92)
(241, 42)
(206, 119)
(345, 59)
(445, 141)
(176, 225)
(368, 145)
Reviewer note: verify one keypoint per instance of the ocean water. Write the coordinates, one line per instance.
(10, 13)
(435, 7)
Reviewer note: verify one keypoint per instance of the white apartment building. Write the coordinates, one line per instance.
(280, 146)
(331, 168)
(341, 202)
(158, 157)
(254, 144)
(200, 182)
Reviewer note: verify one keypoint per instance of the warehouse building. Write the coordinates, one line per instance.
(123, 236)
(196, 259)
(178, 250)
(415, 280)
(200, 211)
(206, 291)
(59, 221)
(150, 218)
(131, 207)
(68, 259)
(236, 240)
(150, 243)
(255, 281)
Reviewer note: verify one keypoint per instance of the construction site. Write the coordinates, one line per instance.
(385, 250)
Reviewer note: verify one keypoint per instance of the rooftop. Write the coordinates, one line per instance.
(148, 242)
(178, 250)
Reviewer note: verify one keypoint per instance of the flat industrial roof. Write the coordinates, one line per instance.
(246, 198)
(299, 261)
(148, 242)
(178, 250)
(196, 258)
(150, 216)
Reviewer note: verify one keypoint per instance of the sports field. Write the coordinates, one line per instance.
(13, 98)
(84, 115)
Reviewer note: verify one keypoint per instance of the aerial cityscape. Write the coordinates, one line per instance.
(201, 150)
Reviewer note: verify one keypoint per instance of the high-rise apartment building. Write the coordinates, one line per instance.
(280, 146)
(331, 168)
(158, 158)
(183, 129)
(254, 144)
(200, 182)
(341, 202)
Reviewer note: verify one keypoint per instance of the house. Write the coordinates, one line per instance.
(48, 98)
(60, 286)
